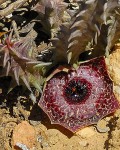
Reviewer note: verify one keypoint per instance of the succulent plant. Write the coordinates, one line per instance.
(96, 22)
(80, 97)
(51, 14)
(18, 61)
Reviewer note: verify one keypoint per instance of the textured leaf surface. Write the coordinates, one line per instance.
(52, 13)
(93, 21)
(19, 62)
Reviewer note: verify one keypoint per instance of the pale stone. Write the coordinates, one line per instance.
(25, 134)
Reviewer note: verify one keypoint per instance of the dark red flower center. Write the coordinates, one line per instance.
(77, 90)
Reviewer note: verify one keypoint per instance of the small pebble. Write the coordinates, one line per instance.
(102, 126)
(24, 133)
(34, 123)
(22, 146)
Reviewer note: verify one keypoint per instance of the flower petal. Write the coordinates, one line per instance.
(80, 97)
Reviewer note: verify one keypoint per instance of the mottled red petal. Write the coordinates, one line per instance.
(65, 102)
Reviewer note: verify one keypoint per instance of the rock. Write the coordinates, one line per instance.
(24, 134)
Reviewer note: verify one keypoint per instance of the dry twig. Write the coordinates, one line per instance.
(12, 7)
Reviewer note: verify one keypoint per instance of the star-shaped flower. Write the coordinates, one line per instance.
(80, 97)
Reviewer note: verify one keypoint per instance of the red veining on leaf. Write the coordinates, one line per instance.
(80, 97)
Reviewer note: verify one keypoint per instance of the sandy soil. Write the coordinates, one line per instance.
(25, 125)
(55, 137)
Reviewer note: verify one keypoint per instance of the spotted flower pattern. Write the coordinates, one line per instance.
(80, 97)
